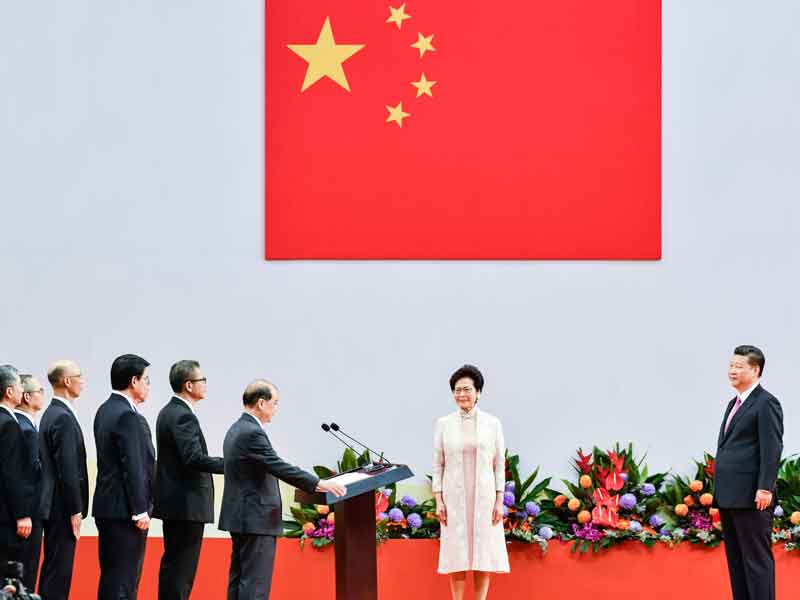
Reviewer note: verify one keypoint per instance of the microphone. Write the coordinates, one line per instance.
(326, 428)
(381, 460)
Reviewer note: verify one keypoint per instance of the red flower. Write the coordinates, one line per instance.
(709, 468)
(381, 504)
(584, 462)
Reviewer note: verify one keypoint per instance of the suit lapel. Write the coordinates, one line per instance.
(746, 407)
(728, 410)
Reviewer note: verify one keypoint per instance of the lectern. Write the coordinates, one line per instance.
(354, 545)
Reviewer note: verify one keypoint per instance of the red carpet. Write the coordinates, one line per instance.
(408, 569)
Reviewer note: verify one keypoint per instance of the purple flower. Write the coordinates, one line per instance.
(635, 527)
(627, 501)
(414, 521)
(383, 516)
(505, 510)
(545, 532)
(664, 531)
(510, 486)
(532, 509)
(522, 515)
(408, 501)
(700, 521)
(396, 515)
(656, 521)
(387, 493)
(648, 489)
(587, 532)
(624, 477)
(509, 499)
(778, 511)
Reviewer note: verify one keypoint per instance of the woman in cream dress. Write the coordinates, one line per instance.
(468, 485)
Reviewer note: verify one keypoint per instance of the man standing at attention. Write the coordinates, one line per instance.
(122, 493)
(251, 500)
(16, 490)
(184, 489)
(748, 455)
(65, 482)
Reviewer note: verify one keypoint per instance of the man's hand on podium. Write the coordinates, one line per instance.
(334, 488)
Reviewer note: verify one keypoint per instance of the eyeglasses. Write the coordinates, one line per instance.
(464, 390)
(146, 379)
(39, 391)
(203, 379)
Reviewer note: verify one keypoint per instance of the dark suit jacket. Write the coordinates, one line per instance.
(33, 464)
(748, 455)
(251, 500)
(122, 488)
(65, 482)
(184, 488)
(16, 485)
(149, 462)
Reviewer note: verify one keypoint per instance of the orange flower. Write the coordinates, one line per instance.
(688, 500)
(706, 499)
(559, 500)
(322, 509)
(584, 517)
(696, 485)
(795, 518)
(330, 517)
(681, 510)
(308, 527)
(585, 481)
(574, 504)
(623, 524)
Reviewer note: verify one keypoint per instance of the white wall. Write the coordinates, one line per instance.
(131, 203)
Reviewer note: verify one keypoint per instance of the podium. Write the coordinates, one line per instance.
(354, 545)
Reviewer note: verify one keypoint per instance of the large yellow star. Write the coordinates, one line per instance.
(396, 114)
(423, 86)
(423, 44)
(325, 58)
(398, 15)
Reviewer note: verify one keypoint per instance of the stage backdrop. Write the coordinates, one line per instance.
(132, 210)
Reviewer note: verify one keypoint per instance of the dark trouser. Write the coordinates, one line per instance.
(12, 546)
(59, 556)
(121, 549)
(252, 558)
(182, 542)
(748, 548)
(31, 550)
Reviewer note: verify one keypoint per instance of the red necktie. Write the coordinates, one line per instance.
(733, 412)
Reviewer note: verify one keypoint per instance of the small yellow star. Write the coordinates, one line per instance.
(398, 15)
(423, 44)
(396, 114)
(423, 86)
(325, 58)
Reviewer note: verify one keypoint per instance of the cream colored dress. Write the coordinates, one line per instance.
(469, 469)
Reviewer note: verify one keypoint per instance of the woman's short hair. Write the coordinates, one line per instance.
(470, 371)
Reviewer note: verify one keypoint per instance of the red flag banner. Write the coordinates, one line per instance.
(463, 130)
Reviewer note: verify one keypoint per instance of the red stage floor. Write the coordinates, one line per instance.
(407, 568)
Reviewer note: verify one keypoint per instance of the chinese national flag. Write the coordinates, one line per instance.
(463, 130)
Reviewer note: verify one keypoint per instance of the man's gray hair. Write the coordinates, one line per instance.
(8, 377)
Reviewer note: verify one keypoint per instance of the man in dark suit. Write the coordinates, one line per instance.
(251, 499)
(65, 481)
(149, 462)
(184, 489)
(122, 494)
(748, 455)
(32, 402)
(16, 487)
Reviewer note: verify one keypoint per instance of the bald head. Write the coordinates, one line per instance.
(259, 389)
(65, 377)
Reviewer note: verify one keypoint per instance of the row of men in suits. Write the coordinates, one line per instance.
(44, 490)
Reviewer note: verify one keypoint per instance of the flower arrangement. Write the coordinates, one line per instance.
(688, 507)
(787, 512)
(405, 518)
(614, 499)
(527, 517)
